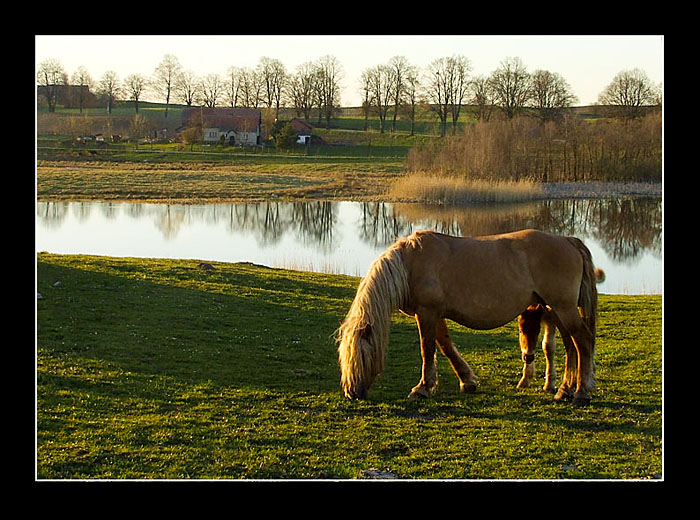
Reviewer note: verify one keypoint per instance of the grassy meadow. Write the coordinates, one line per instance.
(244, 179)
(160, 369)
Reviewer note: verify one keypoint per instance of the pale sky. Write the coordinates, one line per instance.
(587, 62)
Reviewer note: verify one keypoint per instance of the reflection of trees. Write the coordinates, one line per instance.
(380, 226)
(625, 228)
(630, 226)
(170, 220)
(269, 222)
(314, 222)
(135, 211)
(82, 210)
(266, 221)
(110, 210)
(52, 214)
(470, 221)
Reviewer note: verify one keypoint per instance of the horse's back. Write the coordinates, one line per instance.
(479, 281)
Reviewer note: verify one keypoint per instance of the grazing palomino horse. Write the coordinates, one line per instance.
(481, 283)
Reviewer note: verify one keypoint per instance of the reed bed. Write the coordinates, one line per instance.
(434, 189)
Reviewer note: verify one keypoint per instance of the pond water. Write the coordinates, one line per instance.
(624, 236)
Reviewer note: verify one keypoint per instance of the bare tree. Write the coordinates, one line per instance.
(628, 92)
(380, 83)
(50, 76)
(329, 74)
(110, 88)
(250, 88)
(460, 67)
(300, 89)
(187, 87)
(399, 67)
(233, 86)
(367, 96)
(437, 91)
(82, 81)
(164, 78)
(210, 90)
(511, 86)
(446, 85)
(273, 76)
(136, 85)
(550, 94)
(482, 97)
(411, 90)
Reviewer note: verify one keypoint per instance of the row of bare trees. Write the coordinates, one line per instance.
(446, 86)
(568, 149)
(314, 85)
(390, 89)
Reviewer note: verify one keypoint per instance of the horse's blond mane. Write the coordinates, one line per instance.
(363, 336)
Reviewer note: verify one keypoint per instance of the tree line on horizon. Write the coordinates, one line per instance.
(388, 90)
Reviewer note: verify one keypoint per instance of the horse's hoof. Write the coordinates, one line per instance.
(561, 395)
(581, 401)
(419, 393)
(523, 383)
(551, 389)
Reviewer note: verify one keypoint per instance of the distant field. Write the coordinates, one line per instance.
(161, 177)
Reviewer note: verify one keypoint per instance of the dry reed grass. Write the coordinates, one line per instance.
(423, 187)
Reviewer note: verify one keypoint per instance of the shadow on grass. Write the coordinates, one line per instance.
(134, 331)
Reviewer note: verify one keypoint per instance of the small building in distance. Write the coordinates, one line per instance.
(302, 129)
(231, 126)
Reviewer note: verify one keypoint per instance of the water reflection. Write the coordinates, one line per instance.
(340, 236)
(625, 228)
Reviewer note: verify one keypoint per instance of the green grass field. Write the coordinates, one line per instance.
(158, 369)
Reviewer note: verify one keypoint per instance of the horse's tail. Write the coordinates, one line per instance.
(363, 336)
(588, 293)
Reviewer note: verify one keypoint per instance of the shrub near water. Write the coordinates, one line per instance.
(569, 150)
(455, 190)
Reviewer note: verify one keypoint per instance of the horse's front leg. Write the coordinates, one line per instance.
(426, 327)
(467, 380)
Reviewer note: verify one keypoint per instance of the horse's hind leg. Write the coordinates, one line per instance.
(528, 332)
(467, 379)
(580, 367)
(549, 346)
(568, 384)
